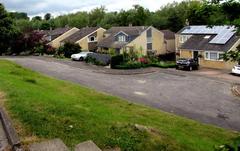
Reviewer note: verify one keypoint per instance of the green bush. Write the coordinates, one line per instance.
(163, 64)
(98, 59)
(116, 60)
(68, 49)
(131, 65)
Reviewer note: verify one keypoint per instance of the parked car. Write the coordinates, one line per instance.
(80, 56)
(187, 64)
(236, 70)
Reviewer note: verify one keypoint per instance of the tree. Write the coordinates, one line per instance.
(27, 42)
(233, 56)
(47, 16)
(39, 18)
(23, 25)
(7, 30)
(19, 15)
(96, 16)
(45, 26)
(138, 16)
(68, 49)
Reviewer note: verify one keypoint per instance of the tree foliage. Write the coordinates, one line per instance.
(47, 16)
(232, 55)
(171, 16)
(7, 30)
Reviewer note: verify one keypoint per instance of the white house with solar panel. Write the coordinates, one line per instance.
(207, 44)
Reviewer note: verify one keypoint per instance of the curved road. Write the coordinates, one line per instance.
(196, 97)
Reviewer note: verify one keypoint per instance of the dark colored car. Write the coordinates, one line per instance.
(187, 64)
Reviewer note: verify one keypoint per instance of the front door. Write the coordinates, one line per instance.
(195, 56)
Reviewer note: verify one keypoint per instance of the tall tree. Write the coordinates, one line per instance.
(96, 16)
(7, 30)
(39, 18)
(19, 15)
(47, 16)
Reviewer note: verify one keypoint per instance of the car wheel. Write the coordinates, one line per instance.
(81, 59)
(190, 68)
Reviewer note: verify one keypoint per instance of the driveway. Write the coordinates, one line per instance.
(197, 97)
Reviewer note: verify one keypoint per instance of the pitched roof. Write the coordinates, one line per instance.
(168, 34)
(200, 42)
(132, 32)
(81, 33)
(223, 33)
(58, 31)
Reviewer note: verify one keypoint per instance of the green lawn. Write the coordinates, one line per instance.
(48, 108)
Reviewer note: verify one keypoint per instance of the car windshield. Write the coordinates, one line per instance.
(83, 53)
(183, 59)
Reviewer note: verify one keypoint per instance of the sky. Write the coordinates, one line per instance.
(59, 7)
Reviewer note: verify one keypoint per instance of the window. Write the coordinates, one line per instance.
(215, 56)
(149, 33)
(149, 46)
(92, 39)
(122, 38)
(149, 39)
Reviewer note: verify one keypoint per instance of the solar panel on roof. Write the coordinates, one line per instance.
(223, 33)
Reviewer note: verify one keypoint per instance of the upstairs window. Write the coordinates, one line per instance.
(92, 39)
(149, 35)
(121, 38)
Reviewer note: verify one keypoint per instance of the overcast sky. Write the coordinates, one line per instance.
(58, 7)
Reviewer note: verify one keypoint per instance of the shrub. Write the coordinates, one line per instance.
(112, 52)
(68, 49)
(168, 57)
(163, 64)
(131, 65)
(39, 49)
(98, 59)
(49, 50)
(116, 60)
(143, 60)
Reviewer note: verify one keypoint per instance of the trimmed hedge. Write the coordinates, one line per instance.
(167, 57)
(164, 64)
(137, 65)
(116, 61)
(98, 59)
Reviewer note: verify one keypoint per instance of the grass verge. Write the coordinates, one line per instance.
(48, 108)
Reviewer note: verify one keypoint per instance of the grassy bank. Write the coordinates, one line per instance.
(45, 108)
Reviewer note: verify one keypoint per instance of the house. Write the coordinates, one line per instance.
(87, 38)
(139, 38)
(57, 35)
(207, 45)
(169, 41)
(50, 35)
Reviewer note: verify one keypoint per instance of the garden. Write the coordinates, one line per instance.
(132, 60)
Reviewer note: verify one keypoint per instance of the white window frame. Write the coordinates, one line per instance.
(95, 39)
(122, 38)
(207, 56)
